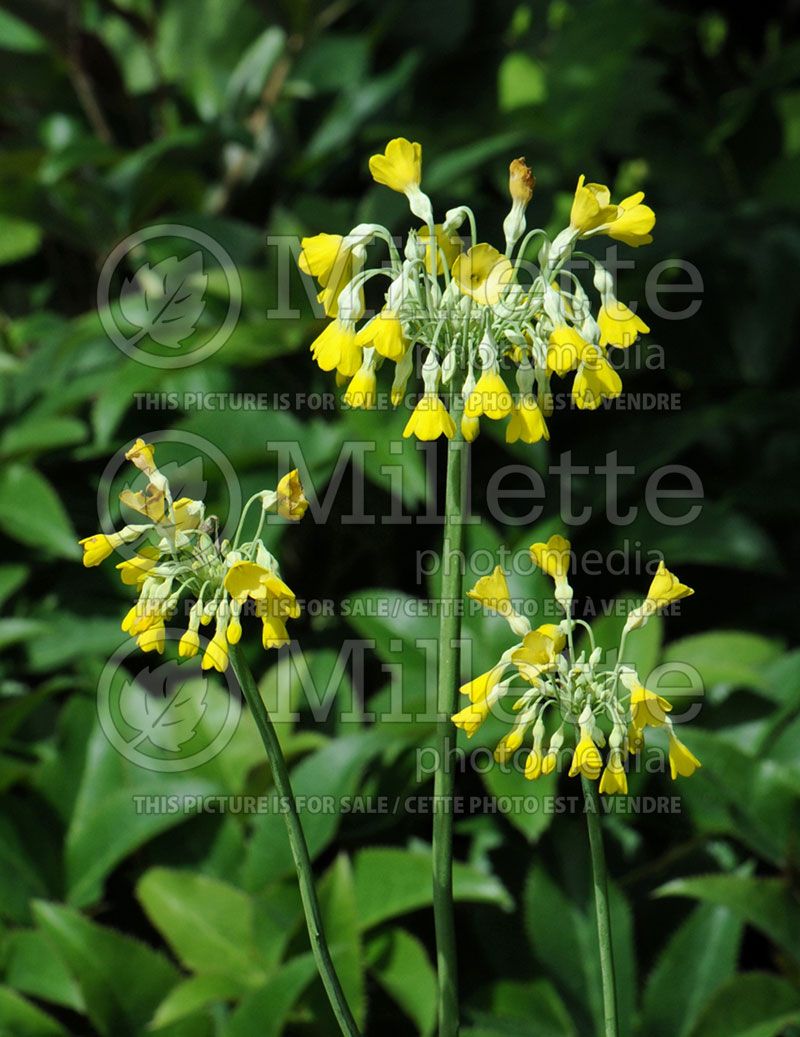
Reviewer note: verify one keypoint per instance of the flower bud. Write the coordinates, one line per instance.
(521, 181)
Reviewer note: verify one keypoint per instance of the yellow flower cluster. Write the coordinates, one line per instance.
(603, 707)
(474, 311)
(179, 557)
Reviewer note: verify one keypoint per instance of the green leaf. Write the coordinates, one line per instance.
(754, 1004)
(19, 1018)
(265, 1011)
(410, 884)
(36, 434)
(564, 938)
(766, 904)
(34, 967)
(12, 577)
(521, 82)
(523, 801)
(699, 956)
(18, 35)
(31, 512)
(340, 916)
(742, 794)
(730, 657)
(20, 873)
(18, 239)
(333, 772)
(193, 996)
(98, 958)
(96, 841)
(207, 923)
(522, 1002)
(400, 964)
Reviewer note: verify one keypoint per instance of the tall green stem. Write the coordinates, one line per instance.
(447, 698)
(601, 905)
(297, 842)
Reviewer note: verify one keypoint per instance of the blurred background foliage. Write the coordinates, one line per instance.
(244, 119)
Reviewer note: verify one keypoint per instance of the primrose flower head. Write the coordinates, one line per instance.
(550, 692)
(180, 558)
(495, 328)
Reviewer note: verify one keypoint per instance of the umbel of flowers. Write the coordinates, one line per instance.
(179, 558)
(475, 312)
(568, 701)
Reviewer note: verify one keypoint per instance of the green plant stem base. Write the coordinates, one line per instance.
(600, 882)
(447, 696)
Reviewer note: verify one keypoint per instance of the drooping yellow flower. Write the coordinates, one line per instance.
(682, 761)
(249, 580)
(343, 273)
(142, 455)
(216, 653)
(490, 397)
(508, 745)
(233, 632)
(153, 637)
(594, 213)
(647, 708)
(291, 503)
(445, 245)
(533, 765)
(538, 651)
(430, 419)
(385, 333)
(140, 617)
(479, 687)
(483, 273)
(189, 644)
(564, 350)
(273, 631)
(527, 422)
(664, 589)
(635, 739)
(133, 571)
(320, 255)
(492, 592)
(99, 546)
(591, 207)
(362, 392)
(619, 325)
(399, 167)
(586, 759)
(634, 222)
(614, 779)
(552, 557)
(472, 716)
(470, 427)
(596, 380)
(335, 348)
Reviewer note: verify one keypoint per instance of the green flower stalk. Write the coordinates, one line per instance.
(474, 312)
